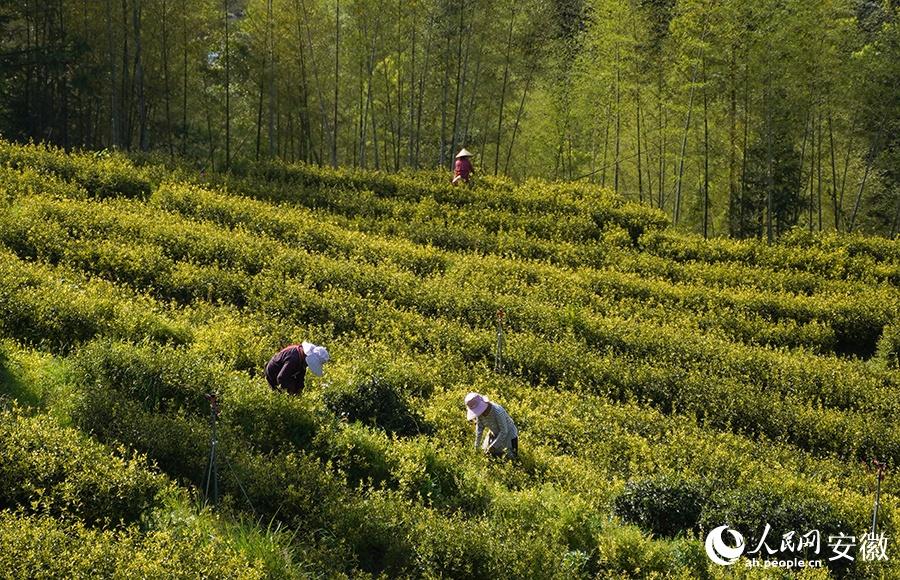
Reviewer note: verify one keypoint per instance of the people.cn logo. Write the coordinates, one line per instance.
(720, 552)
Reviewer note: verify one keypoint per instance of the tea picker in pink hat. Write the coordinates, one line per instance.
(287, 367)
(503, 437)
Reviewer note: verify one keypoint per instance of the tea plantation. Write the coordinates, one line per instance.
(663, 385)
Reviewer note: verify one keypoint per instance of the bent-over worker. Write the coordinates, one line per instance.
(503, 437)
(287, 368)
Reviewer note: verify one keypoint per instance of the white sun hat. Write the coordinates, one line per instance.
(463, 153)
(316, 356)
(476, 405)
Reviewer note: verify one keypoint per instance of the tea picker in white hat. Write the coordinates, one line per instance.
(287, 367)
(462, 169)
(503, 437)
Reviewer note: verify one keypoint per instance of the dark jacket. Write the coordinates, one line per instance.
(287, 368)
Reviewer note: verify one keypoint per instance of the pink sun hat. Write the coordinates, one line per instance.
(476, 405)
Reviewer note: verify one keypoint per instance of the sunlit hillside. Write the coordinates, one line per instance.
(663, 385)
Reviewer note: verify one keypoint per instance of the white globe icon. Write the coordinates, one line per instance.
(720, 552)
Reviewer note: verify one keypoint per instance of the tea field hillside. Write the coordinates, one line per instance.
(663, 385)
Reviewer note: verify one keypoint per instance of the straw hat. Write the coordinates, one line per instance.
(476, 405)
(463, 153)
(316, 356)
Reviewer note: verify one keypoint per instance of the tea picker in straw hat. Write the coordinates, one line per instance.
(503, 437)
(462, 169)
(287, 367)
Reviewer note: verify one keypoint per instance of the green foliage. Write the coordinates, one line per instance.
(57, 471)
(750, 508)
(59, 309)
(39, 546)
(889, 347)
(665, 505)
(166, 379)
(28, 181)
(160, 379)
(626, 552)
(100, 174)
(632, 355)
(378, 403)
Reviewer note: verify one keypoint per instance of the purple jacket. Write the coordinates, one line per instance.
(463, 168)
(287, 368)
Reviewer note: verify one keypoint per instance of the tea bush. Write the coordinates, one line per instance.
(889, 347)
(375, 402)
(101, 174)
(852, 326)
(59, 308)
(29, 182)
(57, 471)
(665, 505)
(167, 379)
(42, 547)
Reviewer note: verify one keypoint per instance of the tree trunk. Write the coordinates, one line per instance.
(167, 92)
(305, 140)
(663, 122)
(639, 173)
(394, 122)
(770, 165)
(390, 116)
(371, 104)
(139, 77)
(115, 115)
(512, 139)
(364, 118)
(732, 134)
(398, 142)
(800, 182)
(259, 108)
(337, 61)
(227, 89)
(687, 125)
(834, 191)
(421, 91)
(606, 144)
(846, 164)
(125, 107)
(359, 150)
(31, 45)
(319, 92)
(445, 95)
(618, 118)
(270, 79)
(62, 83)
(411, 146)
(743, 190)
(705, 154)
(184, 88)
(649, 163)
(470, 109)
(461, 65)
(509, 37)
(870, 159)
(896, 221)
(819, 171)
(812, 171)
(209, 124)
